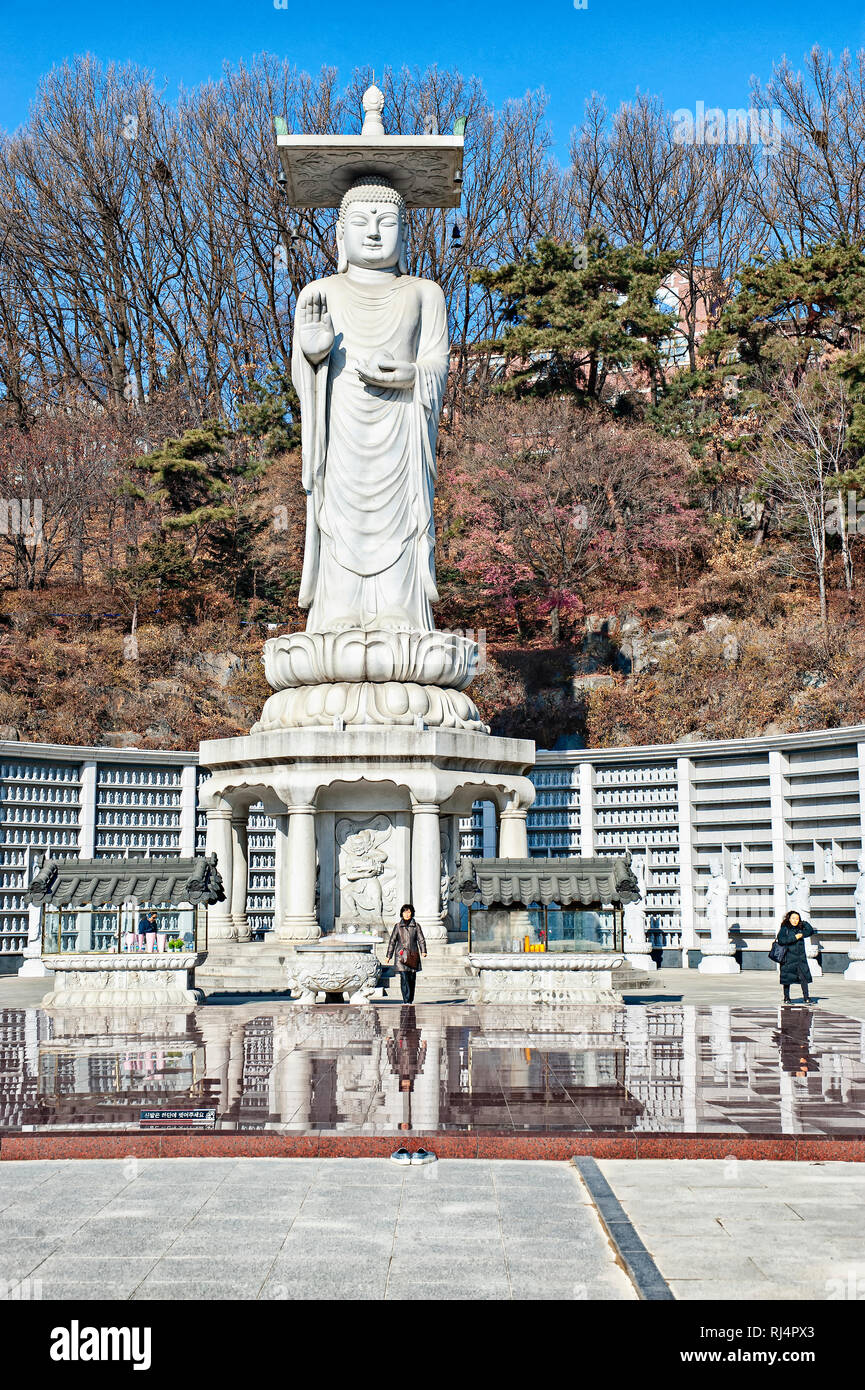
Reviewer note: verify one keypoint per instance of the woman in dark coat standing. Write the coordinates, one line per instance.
(794, 967)
(407, 940)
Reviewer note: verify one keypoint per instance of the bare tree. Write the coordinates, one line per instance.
(802, 451)
(57, 477)
(808, 188)
(633, 178)
(144, 246)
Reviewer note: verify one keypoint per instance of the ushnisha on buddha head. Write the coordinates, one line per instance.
(371, 228)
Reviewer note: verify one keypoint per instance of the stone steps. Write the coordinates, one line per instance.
(258, 967)
(247, 967)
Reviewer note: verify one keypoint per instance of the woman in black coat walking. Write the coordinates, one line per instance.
(794, 966)
(407, 940)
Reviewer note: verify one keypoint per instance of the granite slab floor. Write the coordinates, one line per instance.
(283, 1229)
(737, 1229)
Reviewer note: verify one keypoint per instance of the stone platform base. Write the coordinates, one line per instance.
(544, 978)
(813, 963)
(856, 956)
(164, 981)
(641, 960)
(719, 960)
(32, 968)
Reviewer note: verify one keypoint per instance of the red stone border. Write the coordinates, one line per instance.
(445, 1144)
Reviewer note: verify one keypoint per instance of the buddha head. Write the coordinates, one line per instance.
(371, 229)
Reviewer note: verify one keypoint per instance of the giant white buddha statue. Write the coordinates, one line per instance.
(369, 363)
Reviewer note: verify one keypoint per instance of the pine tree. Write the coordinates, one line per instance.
(587, 311)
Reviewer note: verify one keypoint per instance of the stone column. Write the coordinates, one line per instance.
(239, 873)
(586, 774)
(295, 875)
(637, 949)
(32, 954)
(188, 793)
(87, 812)
(779, 848)
(513, 834)
(220, 926)
(216, 1037)
(690, 1075)
(684, 798)
(514, 844)
(280, 870)
(426, 870)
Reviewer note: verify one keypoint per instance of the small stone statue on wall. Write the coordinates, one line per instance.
(798, 888)
(717, 898)
(799, 899)
(859, 898)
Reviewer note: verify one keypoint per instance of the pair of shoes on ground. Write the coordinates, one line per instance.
(419, 1156)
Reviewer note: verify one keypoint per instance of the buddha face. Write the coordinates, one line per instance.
(372, 235)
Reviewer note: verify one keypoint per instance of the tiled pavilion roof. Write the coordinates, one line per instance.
(81, 882)
(567, 882)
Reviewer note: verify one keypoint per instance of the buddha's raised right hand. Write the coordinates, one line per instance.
(315, 327)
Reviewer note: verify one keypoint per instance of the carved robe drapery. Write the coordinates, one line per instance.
(369, 454)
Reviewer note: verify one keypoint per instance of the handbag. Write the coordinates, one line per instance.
(778, 953)
(409, 958)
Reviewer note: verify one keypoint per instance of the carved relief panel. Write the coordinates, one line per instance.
(365, 879)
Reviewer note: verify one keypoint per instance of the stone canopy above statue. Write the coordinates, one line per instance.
(426, 169)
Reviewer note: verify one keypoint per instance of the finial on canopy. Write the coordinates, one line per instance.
(373, 105)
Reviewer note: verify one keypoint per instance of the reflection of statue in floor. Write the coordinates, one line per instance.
(406, 1054)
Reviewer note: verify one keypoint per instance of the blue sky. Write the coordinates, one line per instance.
(682, 49)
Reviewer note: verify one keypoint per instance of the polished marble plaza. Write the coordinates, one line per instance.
(659, 1067)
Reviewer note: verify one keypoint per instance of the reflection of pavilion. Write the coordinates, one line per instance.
(20, 1031)
(106, 1078)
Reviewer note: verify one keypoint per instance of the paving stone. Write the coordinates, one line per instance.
(677, 1261)
(22, 1258)
(732, 1291)
(476, 1290)
(115, 1276)
(302, 1288)
(209, 1290)
(223, 1268)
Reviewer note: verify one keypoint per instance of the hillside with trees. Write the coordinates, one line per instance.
(652, 450)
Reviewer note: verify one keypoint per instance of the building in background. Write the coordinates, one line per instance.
(753, 802)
